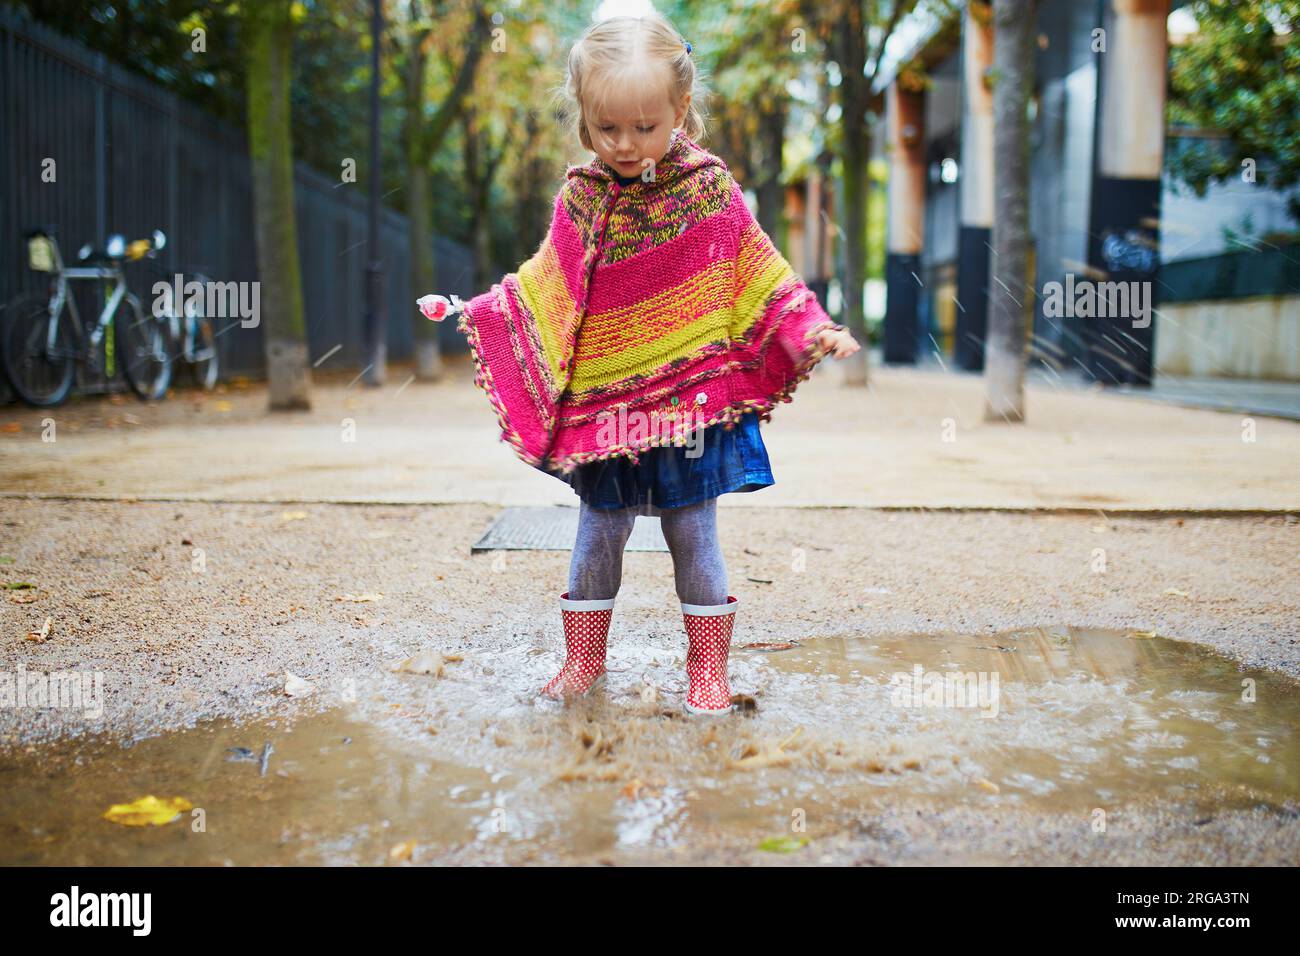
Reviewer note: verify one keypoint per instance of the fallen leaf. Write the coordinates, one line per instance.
(633, 788)
(988, 785)
(360, 598)
(295, 686)
(147, 811)
(292, 515)
(221, 405)
(402, 851)
(1176, 592)
(18, 585)
(767, 755)
(427, 662)
(1142, 634)
(603, 773)
(40, 636)
(782, 844)
(768, 646)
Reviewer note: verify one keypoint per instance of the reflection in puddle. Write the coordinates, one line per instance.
(471, 767)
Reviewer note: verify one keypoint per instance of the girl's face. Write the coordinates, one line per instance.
(632, 125)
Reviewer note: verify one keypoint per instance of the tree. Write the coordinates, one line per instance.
(849, 47)
(268, 38)
(423, 133)
(482, 160)
(856, 33)
(754, 58)
(1237, 75)
(1013, 81)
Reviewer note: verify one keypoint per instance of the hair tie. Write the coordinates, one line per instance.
(688, 45)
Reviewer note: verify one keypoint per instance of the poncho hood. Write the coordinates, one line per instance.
(648, 311)
(682, 158)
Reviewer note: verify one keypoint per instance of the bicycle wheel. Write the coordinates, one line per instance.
(38, 376)
(143, 350)
(205, 364)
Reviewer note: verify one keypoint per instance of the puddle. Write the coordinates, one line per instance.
(472, 768)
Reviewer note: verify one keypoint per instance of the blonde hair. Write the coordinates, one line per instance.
(625, 49)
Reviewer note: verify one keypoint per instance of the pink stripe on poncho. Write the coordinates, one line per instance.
(648, 310)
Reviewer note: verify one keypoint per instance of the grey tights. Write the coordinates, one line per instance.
(699, 571)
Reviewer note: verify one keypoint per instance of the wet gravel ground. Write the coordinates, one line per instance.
(197, 610)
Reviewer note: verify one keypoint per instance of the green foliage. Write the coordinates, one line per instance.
(1239, 74)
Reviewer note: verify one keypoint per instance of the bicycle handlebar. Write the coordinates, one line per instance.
(116, 249)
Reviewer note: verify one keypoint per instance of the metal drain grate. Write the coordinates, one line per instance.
(555, 529)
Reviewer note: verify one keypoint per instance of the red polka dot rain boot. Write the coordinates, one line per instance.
(708, 626)
(586, 625)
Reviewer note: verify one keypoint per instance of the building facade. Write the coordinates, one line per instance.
(1105, 215)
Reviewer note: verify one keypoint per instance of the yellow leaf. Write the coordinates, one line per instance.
(782, 844)
(360, 598)
(147, 811)
(402, 851)
(292, 515)
(1146, 635)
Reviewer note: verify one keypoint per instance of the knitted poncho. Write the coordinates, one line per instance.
(662, 297)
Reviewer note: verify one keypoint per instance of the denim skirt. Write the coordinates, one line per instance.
(732, 459)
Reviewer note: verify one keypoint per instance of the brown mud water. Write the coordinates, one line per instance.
(470, 766)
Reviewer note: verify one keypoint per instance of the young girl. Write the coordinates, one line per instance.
(635, 353)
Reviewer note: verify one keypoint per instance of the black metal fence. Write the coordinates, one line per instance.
(127, 157)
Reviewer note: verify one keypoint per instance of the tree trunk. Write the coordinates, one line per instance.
(770, 192)
(1009, 291)
(419, 214)
(532, 203)
(421, 137)
(854, 93)
(269, 33)
(478, 176)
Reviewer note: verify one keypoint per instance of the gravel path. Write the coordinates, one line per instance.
(196, 610)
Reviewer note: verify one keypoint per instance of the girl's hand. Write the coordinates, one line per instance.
(437, 307)
(840, 343)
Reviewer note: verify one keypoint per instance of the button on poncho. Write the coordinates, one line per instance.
(641, 299)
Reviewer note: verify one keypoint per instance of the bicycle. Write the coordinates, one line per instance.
(40, 349)
(193, 337)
